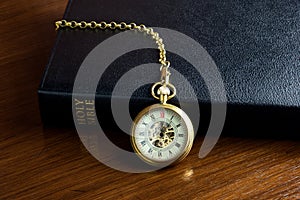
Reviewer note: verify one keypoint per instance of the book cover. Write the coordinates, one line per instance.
(255, 46)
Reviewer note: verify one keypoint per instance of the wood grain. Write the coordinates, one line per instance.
(39, 163)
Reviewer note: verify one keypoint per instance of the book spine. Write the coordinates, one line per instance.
(55, 108)
(60, 109)
(275, 122)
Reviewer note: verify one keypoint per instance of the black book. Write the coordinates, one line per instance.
(254, 45)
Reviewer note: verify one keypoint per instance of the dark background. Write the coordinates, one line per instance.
(254, 44)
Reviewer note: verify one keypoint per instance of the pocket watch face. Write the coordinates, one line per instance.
(162, 133)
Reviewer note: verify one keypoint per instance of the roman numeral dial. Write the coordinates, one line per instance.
(162, 133)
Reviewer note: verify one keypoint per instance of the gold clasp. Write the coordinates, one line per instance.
(57, 25)
(166, 90)
(165, 75)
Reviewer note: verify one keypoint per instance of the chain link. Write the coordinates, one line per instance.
(121, 26)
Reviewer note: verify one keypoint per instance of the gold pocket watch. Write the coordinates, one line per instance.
(162, 134)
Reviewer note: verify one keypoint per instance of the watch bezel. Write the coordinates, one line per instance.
(190, 134)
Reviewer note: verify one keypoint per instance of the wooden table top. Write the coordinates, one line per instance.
(44, 163)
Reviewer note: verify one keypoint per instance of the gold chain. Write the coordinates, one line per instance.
(120, 26)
